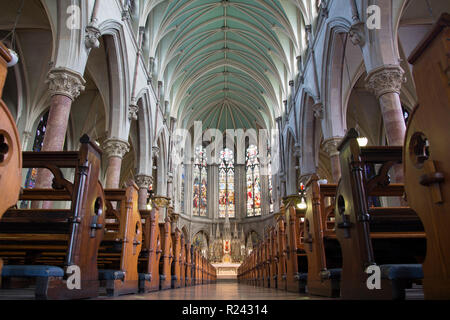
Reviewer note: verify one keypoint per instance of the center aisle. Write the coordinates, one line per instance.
(218, 291)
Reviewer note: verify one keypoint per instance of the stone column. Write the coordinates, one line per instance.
(65, 86)
(330, 147)
(240, 190)
(114, 150)
(265, 198)
(386, 83)
(143, 182)
(213, 191)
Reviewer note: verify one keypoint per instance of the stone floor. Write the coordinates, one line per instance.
(220, 291)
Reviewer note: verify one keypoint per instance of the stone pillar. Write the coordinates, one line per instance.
(114, 151)
(265, 197)
(386, 83)
(143, 182)
(240, 190)
(330, 147)
(65, 86)
(213, 191)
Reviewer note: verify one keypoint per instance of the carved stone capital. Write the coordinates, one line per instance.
(297, 150)
(143, 181)
(318, 110)
(115, 148)
(66, 82)
(155, 151)
(133, 110)
(330, 146)
(357, 34)
(161, 201)
(169, 177)
(92, 35)
(385, 79)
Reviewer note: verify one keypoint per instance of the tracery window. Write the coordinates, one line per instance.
(37, 146)
(30, 179)
(226, 184)
(183, 177)
(200, 176)
(253, 182)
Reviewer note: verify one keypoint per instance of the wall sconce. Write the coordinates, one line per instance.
(150, 200)
(362, 141)
(14, 60)
(302, 204)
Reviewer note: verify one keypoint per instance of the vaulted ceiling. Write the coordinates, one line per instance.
(225, 63)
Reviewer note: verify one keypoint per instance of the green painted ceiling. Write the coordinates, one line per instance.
(225, 63)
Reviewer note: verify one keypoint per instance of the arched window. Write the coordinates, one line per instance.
(183, 177)
(226, 184)
(30, 179)
(37, 146)
(200, 183)
(253, 182)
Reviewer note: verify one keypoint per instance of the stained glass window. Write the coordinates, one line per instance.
(30, 180)
(183, 176)
(253, 182)
(200, 183)
(226, 184)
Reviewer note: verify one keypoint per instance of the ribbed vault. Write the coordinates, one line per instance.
(226, 63)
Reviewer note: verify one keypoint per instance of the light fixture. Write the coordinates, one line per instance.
(302, 204)
(15, 58)
(362, 141)
(12, 34)
(149, 206)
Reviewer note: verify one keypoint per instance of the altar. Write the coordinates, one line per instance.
(226, 270)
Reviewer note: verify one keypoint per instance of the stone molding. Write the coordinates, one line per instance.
(155, 152)
(66, 82)
(92, 35)
(385, 79)
(330, 146)
(143, 181)
(115, 148)
(357, 34)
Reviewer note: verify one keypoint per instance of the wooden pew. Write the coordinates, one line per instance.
(426, 155)
(266, 262)
(165, 261)
(323, 251)
(10, 150)
(391, 237)
(273, 245)
(150, 252)
(281, 253)
(188, 264)
(182, 261)
(42, 245)
(122, 242)
(175, 265)
(296, 264)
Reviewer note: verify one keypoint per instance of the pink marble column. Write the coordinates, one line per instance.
(386, 83)
(114, 150)
(143, 182)
(65, 86)
(330, 147)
